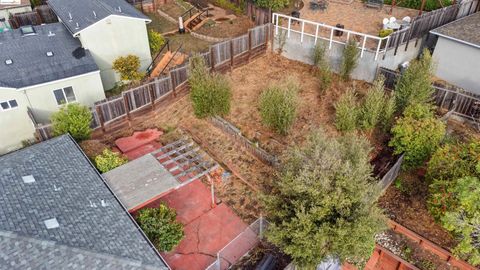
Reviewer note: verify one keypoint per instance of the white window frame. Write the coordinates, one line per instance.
(64, 96)
(9, 105)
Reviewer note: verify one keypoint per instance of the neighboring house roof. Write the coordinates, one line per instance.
(78, 15)
(30, 63)
(92, 223)
(464, 30)
(6, 4)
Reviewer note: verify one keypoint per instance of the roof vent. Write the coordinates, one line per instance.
(120, 9)
(103, 203)
(51, 223)
(70, 16)
(8, 62)
(94, 14)
(77, 26)
(51, 34)
(27, 179)
(49, 54)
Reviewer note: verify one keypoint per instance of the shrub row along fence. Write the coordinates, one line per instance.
(240, 245)
(236, 134)
(421, 25)
(459, 101)
(115, 112)
(41, 14)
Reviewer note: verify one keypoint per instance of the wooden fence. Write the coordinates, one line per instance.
(392, 174)
(259, 15)
(236, 134)
(459, 101)
(113, 113)
(40, 15)
(421, 25)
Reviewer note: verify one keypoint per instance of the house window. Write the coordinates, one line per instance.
(64, 96)
(8, 105)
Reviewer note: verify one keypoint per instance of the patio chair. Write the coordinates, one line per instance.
(374, 3)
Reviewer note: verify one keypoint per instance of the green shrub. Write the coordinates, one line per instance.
(278, 106)
(346, 111)
(464, 219)
(226, 4)
(319, 56)
(273, 4)
(127, 67)
(385, 32)
(372, 110)
(72, 118)
(388, 113)
(416, 4)
(109, 160)
(349, 59)
(210, 93)
(324, 198)
(416, 137)
(415, 85)
(448, 163)
(325, 79)
(160, 226)
(156, 41)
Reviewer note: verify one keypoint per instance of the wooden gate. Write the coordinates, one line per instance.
(259, 15)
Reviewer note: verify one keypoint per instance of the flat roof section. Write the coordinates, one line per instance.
(140, 180)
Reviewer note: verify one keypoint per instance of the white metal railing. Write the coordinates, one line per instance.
(331, 29)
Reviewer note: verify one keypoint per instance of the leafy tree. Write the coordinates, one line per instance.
(464, 220)
(417, 134)
(156, 41)
(128, 67)
(160, 226)
(210, 93)
(349, 59)
(72, 118)
(373, 109)
(323, 202)
(278, 105)
(415, 84)
(449, 163)
(109, 160)
(346, 111)
(273, 4)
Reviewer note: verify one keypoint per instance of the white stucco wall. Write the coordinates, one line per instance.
(15, 125)
(458, 64)
(87, 88)
(113, 37)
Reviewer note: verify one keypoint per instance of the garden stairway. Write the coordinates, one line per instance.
(169, 60)
(197, 20)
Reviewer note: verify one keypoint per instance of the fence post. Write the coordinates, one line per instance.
(152, 93)
(249, 45)
(231, 54)
(173, 86)
(127, 109)
(261, 227)
(101, 119)
(212, 59)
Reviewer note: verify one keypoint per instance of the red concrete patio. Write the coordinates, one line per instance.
(139, 144)
(207, 229)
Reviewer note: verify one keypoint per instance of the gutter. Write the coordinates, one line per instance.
(455, 39)
(121, 204)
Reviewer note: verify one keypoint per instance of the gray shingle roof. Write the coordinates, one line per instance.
(464, 30)
(69, 189)
(31, 66)
(78, 15)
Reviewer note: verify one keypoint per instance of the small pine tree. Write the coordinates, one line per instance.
(161, 227)
(346, 111)
(278, 105)
(415, 84)
(322, 67)
(210, 93)
(349, 59)
(72, 118)
(373, 108)
(323, 202)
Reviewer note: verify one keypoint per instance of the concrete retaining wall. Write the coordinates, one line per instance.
(367, 65)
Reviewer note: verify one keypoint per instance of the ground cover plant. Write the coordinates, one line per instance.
(160, 226)
(210, 92)
(74, 119)
(324, 198)
(109, 160)
(278, 105)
